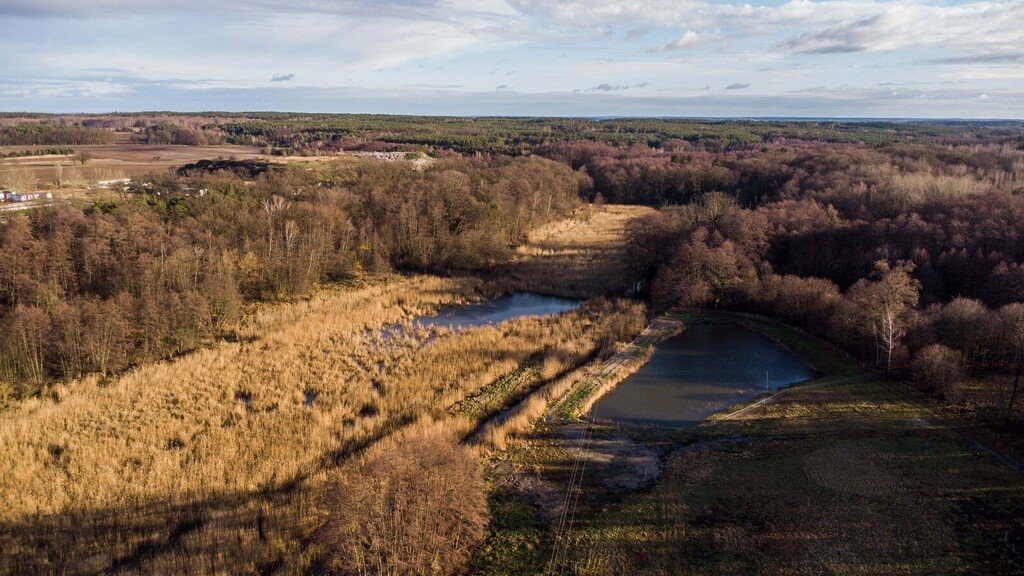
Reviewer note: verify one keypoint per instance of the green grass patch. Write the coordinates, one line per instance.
(500, 393)
(859, 486)
(519, 543)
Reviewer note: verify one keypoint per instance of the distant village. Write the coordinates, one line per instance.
(13, 196)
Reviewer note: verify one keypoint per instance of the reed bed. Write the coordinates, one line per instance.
(208, 463)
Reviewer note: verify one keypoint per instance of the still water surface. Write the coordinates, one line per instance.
(706, 368)
(496, 311)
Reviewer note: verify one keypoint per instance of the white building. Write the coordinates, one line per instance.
(29, 196)
(115, 182)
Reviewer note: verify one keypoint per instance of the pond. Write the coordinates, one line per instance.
(464, 316)
(706, 368)
(496, 311)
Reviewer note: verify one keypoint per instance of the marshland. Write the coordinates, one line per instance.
(710, 347)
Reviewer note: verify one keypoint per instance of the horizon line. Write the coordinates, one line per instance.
(598, 117)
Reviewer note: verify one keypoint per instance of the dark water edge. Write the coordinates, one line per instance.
(474, 314)
(703, 370)
(496, 311)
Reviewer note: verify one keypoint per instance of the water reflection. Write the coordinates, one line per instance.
(495, 311)
(706, 368)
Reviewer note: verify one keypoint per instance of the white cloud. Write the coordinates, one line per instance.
(967, 30)
(627, 13)
(689, 39)
(974, 28)
(606, 87)
(613, 46)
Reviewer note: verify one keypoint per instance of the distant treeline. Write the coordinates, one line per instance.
(42, 134)
(169, 266)
(293, 133)
(37, 152)
(520, 136)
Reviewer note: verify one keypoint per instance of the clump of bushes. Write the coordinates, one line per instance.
(939, 368)
(410, 506)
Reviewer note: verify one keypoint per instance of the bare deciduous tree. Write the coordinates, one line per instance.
(884, 304)
(416, 506)
(1012, 329)
(272, 207)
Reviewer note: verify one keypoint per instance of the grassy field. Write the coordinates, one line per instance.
(107, 162)
(129, 160)
(210, 443)
(580, 256)
(845, 474)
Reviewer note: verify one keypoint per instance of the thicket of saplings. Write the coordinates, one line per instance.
(167, 266)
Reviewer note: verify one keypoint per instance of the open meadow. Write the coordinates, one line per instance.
(578, 256)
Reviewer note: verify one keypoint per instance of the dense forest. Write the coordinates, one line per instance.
(908, 256)
(38, 134)
(300, 133)
(832, 211)
(521, 136)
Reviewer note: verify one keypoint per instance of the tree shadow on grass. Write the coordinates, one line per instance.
(226, 533)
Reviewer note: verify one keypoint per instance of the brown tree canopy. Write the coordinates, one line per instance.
(412, 506)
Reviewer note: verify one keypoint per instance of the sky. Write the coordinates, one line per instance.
(694, 58)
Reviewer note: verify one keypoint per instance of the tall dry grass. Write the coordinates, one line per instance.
(208, 463)
(498, 433)
(583, 256)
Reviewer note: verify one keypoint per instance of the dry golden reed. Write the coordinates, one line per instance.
(207, 461)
